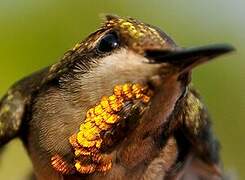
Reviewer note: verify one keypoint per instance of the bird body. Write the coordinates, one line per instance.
(119, 105)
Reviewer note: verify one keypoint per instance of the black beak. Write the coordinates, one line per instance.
(187, 58)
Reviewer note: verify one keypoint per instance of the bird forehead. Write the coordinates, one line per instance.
(137, 33)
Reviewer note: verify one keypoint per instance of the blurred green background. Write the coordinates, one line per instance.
(34, 34)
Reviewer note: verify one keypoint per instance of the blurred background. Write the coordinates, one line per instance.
(34, 34)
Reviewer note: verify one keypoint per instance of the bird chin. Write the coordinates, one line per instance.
(167, 90)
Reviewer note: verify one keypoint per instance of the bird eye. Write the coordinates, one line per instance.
(108, 43)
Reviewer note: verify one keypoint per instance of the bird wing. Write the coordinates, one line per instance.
(15, 103)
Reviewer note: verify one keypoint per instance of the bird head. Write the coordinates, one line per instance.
(125, 50)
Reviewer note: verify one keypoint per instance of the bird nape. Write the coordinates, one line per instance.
(119, 105)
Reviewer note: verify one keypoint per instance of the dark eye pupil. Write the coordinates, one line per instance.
(108, 43)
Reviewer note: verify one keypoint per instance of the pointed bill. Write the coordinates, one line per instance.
(187, 58)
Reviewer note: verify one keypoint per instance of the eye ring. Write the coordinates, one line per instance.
(108, 43)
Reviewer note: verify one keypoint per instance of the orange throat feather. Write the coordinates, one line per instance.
(100, 120)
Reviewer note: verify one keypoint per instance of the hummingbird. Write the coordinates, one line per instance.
(119, 105)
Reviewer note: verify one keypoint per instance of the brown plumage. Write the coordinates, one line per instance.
(119, 105)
